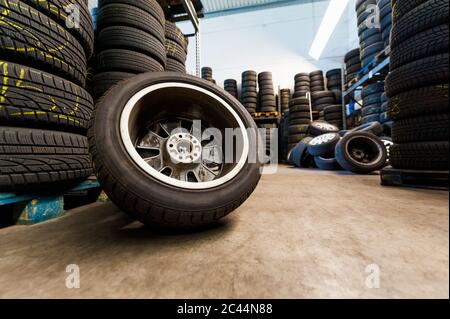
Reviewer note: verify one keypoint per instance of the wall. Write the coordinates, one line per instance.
(276, 40)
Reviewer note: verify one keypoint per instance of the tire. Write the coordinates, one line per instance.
(422, 129)
(146, 196)
(175, 66)
(56, 9)
(425, 16)
(374, 128)
(104, 81)
(324, 144)
(150, 6)
(421, 156)
(175, 34)
(422, 101)
(39, 159)
(421, 45)
(372, 89)
(44, 45)
(176, 52)
(318, 128)
(372, 99)
(119, 37)
(41, 100)
(337, 116)
(333, 109)
(300, 156)
(371, 110)
(119, 60)
(361, 153)
(298, 128)
(425, 72)
(327, 164)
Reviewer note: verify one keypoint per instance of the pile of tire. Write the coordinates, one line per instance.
(302, 85)
(269, 135)
(333, 115)
(207, 73)
(417, 86)
(176, 48)
(283, 141)
(249, 91)
(334, 80)
(352, 66)
(360, 151)
(285, 98)
(371, 41)
(299, 120)
(372, 102)
(231, 87)
(322, 99)
(131, 40)
(44, 108)
(317, 81)
(385, 119)
(385, 11)
(267, 101)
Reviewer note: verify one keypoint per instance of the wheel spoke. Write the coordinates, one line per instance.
(212, 154)
(156, 162)
(204, 174)
(151, 141)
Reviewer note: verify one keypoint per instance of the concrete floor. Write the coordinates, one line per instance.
(303, 234)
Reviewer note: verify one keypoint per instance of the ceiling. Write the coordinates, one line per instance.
(228, 6)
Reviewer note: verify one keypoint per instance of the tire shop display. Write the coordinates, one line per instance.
(334, 80)
(352, 66)
(231, 87)
(249, 91)
(207, 73)
(299, 120)
(317, 81)
(372, 102)
(385, 11)
(176, 48)
(371, 40)
(160, 173)
(131, 40)
(267, 101)
(44, 107)
(302, 85)
(285, 98)
(417, 86)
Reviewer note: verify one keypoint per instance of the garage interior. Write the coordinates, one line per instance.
(350, 199)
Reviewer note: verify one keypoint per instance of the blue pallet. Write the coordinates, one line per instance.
(39, 207)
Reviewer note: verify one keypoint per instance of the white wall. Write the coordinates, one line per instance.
(276, 40)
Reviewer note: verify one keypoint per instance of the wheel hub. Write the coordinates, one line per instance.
(184, 148)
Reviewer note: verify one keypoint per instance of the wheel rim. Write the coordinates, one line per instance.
(158, 131)
(322, 139)
(364, 151)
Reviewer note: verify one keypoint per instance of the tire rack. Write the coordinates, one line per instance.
(374, 71)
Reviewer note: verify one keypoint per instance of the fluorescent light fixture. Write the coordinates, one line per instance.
(331, 19)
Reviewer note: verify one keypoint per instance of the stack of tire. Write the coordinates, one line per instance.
(131, 40)
(371, 41)
(333, 115)
(299, 120)
(334, 80)
(417, 86)
(285, 98)
(44, 108)
(176, 48)
(372, 102)
(268, 127)
(267, 101)
(322, 99)
(283, 141)
(249, 91)
(385, 10)
(207, 73)
(384, 116)
(231, 87)
(317, 81)
(352, 66)
(302, 85)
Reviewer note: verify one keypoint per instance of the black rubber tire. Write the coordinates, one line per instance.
(327, 164)
(421, 18)
(140, 195)
(422, 129)
(372, 89)
(175, 34)
(352, 54)
(421, 156)
(29, 37)
(298, 128)
(41, 100)
(176, 52)
(337, 116)
(300, 94)
(128, 38)
(374, 128)
(318, 128)
(35, 159)
(300, 156)
(118, 60)
(422, 101)
(56, 9)
(371, 118)
(300, 121)
(149, 6)
(425, 72)
(333, 109)
(347, 159)
(402, 7)
(104, 81)
(371, 110)
(119, 14)
(319, 147)
(427, 43)
(372, 99)
(173, 65)
(371, 50)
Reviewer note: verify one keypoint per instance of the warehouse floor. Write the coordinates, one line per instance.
(303, 234)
